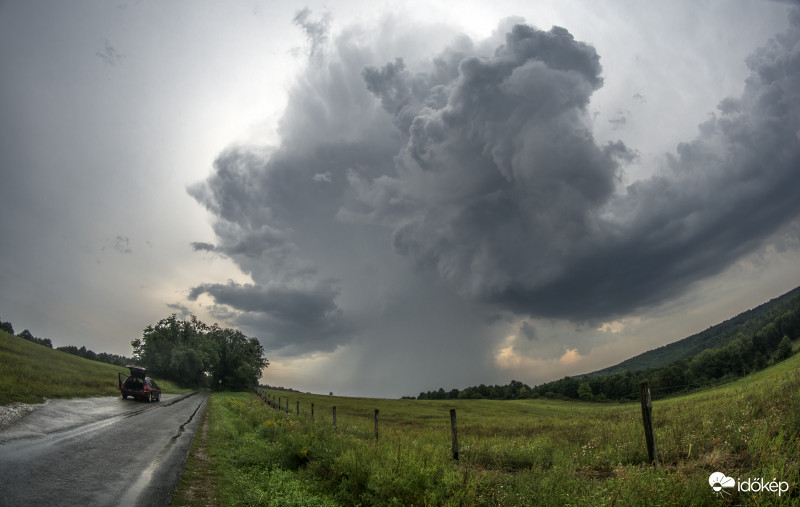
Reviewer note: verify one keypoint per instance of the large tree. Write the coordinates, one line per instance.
(237, 360)
(174, 349)
(192, 353)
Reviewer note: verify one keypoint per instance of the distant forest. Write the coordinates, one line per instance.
(103, 357)
(746, 343)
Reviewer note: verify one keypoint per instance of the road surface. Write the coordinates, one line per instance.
(98, 451)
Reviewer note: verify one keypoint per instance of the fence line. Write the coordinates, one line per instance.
(645, 400)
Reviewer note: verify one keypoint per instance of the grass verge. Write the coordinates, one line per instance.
(198, 485)
(229, 463)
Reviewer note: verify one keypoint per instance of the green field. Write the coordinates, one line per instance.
(30, 372)
(523, 452)
(526, 452)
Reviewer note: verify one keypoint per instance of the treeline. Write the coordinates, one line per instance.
(25, 335)
(194, 354)
(279, 388)
(103, 357)
(752, 349)
(515, 390)
(714, 365)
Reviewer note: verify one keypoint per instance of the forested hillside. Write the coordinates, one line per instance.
(746, 343)
(745, 324)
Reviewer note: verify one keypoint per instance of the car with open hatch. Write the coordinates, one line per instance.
(138, 385)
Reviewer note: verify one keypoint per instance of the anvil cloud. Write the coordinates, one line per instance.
(478, 164)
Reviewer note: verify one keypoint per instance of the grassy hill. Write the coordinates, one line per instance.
(30, 372)
(720, 335)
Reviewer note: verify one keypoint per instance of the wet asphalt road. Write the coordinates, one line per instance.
(98, 451)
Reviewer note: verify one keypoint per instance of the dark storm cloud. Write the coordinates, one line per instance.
(288, 307)
(528, 331)
(199, 246)
(283, 302)
(182, 311)
(513, 202)
(500, 173)
(480, 166)
(296, 319)
(269, 204)
(720, 196)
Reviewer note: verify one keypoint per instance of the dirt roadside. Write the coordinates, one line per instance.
(197, 485)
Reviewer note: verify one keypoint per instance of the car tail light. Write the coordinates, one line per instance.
(146, 388)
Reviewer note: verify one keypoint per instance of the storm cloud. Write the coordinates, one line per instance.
(478, 165)
(508, 197)
(293, 318)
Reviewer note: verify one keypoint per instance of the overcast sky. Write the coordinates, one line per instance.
(396, 197)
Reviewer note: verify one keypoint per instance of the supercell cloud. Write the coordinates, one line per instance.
(478, 166)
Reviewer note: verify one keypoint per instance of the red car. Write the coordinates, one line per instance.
(139, 385)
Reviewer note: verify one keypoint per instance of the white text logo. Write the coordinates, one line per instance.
(719, 482)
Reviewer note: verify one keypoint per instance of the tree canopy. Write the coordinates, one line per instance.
(195, 354)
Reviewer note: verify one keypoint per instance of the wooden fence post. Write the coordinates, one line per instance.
(376, 424)
(454, 431)
(297, 411)
(312, 411)
(647, 419)
(334, 417)
(279, 402)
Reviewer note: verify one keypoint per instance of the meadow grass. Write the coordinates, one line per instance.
(30, 372)
(523, 452)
